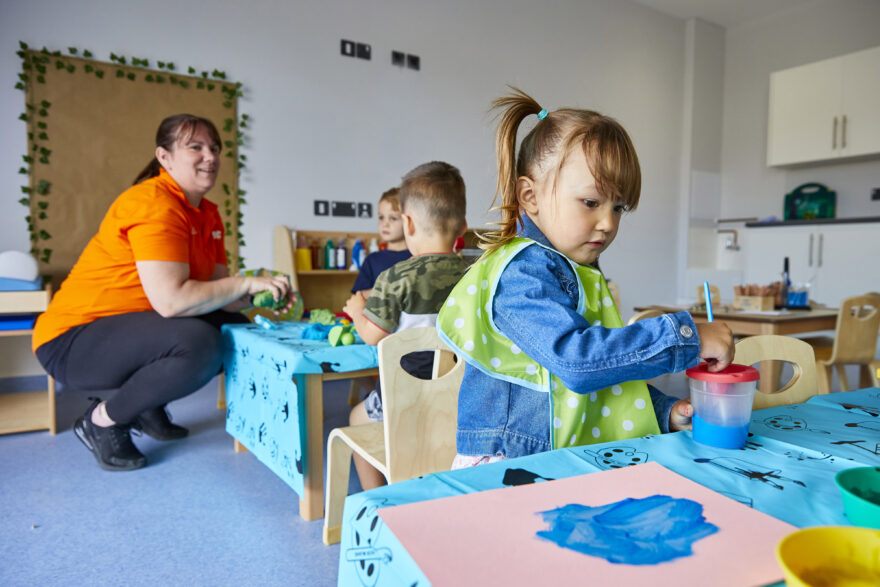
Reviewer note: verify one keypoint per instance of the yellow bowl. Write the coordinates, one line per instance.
(831, 556)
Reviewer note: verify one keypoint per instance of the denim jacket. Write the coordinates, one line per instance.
(536, 307)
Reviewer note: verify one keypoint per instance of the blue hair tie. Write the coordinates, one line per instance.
(542, 114)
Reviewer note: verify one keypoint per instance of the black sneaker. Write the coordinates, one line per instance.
(156, 423)
(112, 446)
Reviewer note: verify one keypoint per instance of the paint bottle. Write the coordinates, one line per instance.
(374, 247)
(329, 254)
(302, 256)
(341, 254)
(316, 254)
(786, 282)
(357, 255)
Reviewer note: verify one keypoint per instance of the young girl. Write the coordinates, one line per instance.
(391, 233)
(549, 362)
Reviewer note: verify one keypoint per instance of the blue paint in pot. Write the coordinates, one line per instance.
(720, 436)
(645, 531)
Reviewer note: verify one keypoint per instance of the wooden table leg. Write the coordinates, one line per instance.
(311, 506)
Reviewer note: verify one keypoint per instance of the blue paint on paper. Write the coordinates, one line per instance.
(644, 531)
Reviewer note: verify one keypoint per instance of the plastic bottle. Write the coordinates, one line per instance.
(374, 246)
(316, 254)
(357, 254)
(302, 255)
(341, 255)
(786, 282)
(329, 255)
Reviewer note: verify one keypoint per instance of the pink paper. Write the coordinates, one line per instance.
(490, 537)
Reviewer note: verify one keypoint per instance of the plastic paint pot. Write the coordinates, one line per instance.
(722, 404)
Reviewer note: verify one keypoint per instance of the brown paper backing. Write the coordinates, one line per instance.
(101, 133)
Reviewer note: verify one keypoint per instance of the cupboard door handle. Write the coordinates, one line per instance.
(819, 260)
(843, 133)
(810, 256)
(834, 134)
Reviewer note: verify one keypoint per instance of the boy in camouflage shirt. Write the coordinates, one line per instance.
(410, 293)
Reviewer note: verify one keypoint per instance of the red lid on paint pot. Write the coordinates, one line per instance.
(733, 374)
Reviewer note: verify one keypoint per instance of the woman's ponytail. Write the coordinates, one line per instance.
(151, 170)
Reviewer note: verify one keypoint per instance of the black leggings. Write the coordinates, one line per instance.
(149, 360)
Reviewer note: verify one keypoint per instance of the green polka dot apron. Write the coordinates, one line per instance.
(465, 323)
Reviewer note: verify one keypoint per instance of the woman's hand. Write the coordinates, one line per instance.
(277, 284)
(681, 416)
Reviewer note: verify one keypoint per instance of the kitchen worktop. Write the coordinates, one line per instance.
(854, 220)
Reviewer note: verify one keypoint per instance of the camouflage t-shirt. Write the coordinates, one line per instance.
(410, 293)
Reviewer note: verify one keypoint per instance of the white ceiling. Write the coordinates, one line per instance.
(727, 13)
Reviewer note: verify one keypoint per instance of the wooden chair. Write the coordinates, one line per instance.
(643, 315)
(854, 343)
(714, 294)
(773, 347)
(418, 434)
(615, 292)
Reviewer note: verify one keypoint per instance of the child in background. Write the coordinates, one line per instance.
(410, 293)
(549, 362)
(391, 233)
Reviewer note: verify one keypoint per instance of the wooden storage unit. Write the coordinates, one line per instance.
(29, 410)
(319, 288)
(327, 288)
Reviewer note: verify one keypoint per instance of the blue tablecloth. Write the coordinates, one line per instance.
(265, 389)
(786, 470)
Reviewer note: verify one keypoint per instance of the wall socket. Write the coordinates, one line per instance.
(875, 194)
(342, 209)
(322, 208)
(347, 47)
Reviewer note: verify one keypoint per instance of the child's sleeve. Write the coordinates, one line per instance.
(535, 305)
(662, 407)
(385, 303)
(366, 277)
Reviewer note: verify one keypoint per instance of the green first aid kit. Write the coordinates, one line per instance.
(810, 201)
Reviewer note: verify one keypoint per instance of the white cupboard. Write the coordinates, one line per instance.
(838, 260)
(825, 110)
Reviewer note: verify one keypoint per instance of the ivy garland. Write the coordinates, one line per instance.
(34, 65)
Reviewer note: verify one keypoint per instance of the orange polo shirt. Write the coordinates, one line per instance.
(151, 221)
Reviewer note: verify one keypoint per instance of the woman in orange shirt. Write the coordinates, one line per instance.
(140, 312)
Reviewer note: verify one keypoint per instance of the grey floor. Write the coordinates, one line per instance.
(198, 514)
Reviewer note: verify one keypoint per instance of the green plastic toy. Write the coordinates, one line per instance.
(321, 316)
(265, 299)
(341, 335)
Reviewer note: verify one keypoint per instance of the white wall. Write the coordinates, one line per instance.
(331, 127)
(816, 31)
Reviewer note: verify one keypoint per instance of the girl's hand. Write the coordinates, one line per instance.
(681, 415)
(716, 345)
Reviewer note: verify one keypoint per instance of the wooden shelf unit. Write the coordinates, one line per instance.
(327, 288)
(319, 288)
(29, 410)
